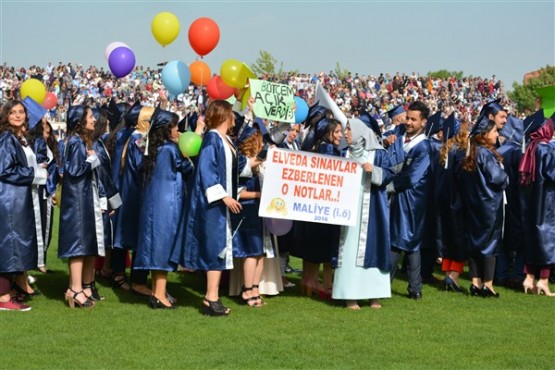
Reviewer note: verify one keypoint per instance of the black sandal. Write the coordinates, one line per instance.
(95, 296)
(214, 308)
(119, 281)
(258, 298)
(248, 301)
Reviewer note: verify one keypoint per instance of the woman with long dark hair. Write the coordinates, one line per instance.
(162, 206)
(81, 229)
(483, 182)
(18, 248)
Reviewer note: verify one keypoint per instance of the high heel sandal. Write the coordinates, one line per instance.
(157, 304)
(119, 281)
(72, 300)
(528, 287)
(258, 298)
(94, 291)
(248, 300)
(544, 289)
(21, 295)
(214, 308)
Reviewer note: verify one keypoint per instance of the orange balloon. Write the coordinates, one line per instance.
(204, 35)
(200, 72)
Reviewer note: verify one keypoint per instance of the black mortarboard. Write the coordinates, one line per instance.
(161, 118)
(132, 115)
(114, 114)
(451, 127)
(491, 107)
(434, 124)
(371, 122)
(534, 122)
(395, 111)
(481, 126)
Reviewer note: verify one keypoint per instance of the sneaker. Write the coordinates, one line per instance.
(14, 305)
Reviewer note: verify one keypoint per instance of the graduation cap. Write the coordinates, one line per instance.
(481, 126)
(35, 111)
(513, 129)
(371, 122)
(132, 115)
(161, 118)
(451, 127)
(316, 113)
(534, 122)
(113, 113)
(434, 124)
(395, 111)
(491, 107)
(75, 114)
(246, 133)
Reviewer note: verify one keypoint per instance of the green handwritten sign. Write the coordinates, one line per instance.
(548, 100)
(273, 101)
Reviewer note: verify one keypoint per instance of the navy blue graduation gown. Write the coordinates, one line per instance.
(18, 239)
(317, 242)
(208, 242)
(163, 210)
(446, 210)
(81, 229)
(130, 189)
(249, 239)
(482, 191)
(513, 237)
(539, 215)
(408, 204)
(378, 241)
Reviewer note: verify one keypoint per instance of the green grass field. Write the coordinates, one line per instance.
(443, 331)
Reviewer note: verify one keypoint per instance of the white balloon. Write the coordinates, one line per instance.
(112, 46)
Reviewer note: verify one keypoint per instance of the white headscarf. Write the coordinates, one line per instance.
(363, 138)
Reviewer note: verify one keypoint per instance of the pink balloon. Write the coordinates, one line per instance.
(278, 226)
(111, 46)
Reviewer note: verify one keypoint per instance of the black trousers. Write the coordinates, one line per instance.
(482, 267)
(413, 268)
(118, 266)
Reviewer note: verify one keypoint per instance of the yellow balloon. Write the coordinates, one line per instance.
(165, 28)
(230, 72)
(34, 89)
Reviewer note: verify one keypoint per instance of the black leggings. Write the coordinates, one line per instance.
(482, 267)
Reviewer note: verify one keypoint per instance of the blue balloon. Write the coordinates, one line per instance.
(301, 111)
(176, 77)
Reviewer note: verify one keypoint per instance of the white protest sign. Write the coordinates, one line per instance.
(307, 186)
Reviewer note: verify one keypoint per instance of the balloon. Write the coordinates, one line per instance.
(176, 77)
(301, 110)
(200, 72)
(121, 61)
(34, 89)
(50, 101)
(111, 46)
(189, 143)
(230, 71)
(165, 28)
(204, 35)
(218, 90)
(278, 226)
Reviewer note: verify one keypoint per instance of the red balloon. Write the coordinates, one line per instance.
(50, 101)
(200, 72)
(204, 35)
(218, 90)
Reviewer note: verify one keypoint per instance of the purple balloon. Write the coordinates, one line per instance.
(121, 61)
(278, 226)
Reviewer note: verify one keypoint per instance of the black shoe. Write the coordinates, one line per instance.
(22, 295)
(95, 296)
(486, 292)
(214, 308)
(416, 296)
(450, 284)
(155, 303)
(475, 291)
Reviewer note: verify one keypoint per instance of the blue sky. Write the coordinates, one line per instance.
(481, 38)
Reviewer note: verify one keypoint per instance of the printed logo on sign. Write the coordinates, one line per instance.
(277, 205)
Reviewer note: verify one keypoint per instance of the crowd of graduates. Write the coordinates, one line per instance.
(474, 186)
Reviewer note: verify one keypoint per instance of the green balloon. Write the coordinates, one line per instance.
(189, 143)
